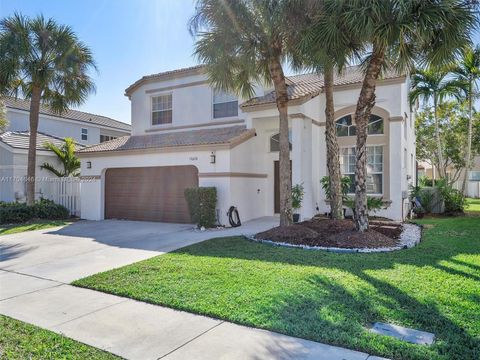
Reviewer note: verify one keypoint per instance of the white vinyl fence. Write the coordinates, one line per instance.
(472, 189)
(63, 191)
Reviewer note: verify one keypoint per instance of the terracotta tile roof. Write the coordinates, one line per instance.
(164, 75)
(310, 85)
(21, 140)
(84, 117)
(216, 136)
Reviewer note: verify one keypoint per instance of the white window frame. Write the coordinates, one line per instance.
(290, 139)
(225, 102)
(470, 175)
(381, 118)
(151, 108)
(368, 172)
(84, 133)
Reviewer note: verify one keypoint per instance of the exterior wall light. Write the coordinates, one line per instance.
(213, 158)
(89, 164)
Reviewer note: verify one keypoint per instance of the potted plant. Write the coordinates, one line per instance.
(297, 198)
(419, 212)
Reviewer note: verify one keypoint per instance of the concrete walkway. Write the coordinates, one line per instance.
(35, 293)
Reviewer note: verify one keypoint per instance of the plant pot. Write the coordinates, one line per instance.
(296, 218)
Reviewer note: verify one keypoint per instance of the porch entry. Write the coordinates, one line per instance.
(276, 185)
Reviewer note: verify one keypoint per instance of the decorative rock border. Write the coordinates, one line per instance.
(410, 237)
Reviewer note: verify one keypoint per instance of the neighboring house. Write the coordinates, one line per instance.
(186, 134)
(472, 188)
(13, 164)
(85, 128)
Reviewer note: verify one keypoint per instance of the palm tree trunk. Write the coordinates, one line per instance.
(365, 103)
(468, 157)
(441, 169)
(278, 78)
(333, 151)
(32, 146)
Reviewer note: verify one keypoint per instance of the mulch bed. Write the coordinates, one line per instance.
(335, 233)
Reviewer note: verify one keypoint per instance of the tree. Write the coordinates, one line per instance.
(3, 117)
(467, 71)
(399, 35)
(243, 43)
(326, 45)
(66, 155)
(46, 63)
(452, 119)
(431, 84)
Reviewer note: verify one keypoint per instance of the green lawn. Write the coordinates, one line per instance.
(36, 225)
(322, 296)
(19, 340)
(473, 206)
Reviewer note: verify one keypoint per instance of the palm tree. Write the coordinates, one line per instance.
(401, 34)
(3, 117)
(66, 155)
(46, 63)
(467, 71)
(432, 84)
(243, 43)
(326, 45)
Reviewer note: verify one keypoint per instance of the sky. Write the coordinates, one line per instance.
(128, 38)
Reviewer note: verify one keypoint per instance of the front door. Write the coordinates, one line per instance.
(276, 185)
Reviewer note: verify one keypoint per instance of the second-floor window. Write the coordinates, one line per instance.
(162, 109)
(84, 134)
(104, 138)
(346, 127)
(224, 104)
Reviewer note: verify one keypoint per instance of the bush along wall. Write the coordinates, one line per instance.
(15, 212)
(202, 202)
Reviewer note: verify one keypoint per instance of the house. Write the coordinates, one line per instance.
(472, 188)
(84, 128)
(13, 168)
(187, 134)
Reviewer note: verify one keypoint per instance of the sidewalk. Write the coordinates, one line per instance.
(136, 330)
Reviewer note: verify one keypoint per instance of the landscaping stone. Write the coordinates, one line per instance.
(409, 335)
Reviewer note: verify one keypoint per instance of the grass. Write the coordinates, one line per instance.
(19, 340)
(473, 206)
(35, 225)
(325, 297)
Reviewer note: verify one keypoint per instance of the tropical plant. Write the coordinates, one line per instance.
(467, 71)
(66, 155)
(3, 117)
(297, 196)
(432, 84)
(345, 182)
(243, 43)
(326, 44)
(46, 63)
(399, 35)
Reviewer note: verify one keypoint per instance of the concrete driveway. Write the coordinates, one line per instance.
(88, 247)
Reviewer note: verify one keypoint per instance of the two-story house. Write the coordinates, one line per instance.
(85, 128)
(187, 134)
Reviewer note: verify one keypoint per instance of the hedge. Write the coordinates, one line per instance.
(20, 212)
(202, 202)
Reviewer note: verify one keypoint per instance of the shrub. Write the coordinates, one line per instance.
(373, 203)
(20, 212)
(454, 200)
(346, 182)
(202, 202)
(297, 196)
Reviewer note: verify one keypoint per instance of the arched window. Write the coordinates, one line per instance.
(346, 127)
(275, 142)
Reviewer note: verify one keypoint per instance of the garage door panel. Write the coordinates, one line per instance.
(151, 194)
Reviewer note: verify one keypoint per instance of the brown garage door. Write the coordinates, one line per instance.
(149, 193)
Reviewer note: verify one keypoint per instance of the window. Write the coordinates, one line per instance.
(104, 138)
(84, 134)
(474, 176)
(224, 105)
(374, 168)
(162, 109)
(345, 126)
(275, 142)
